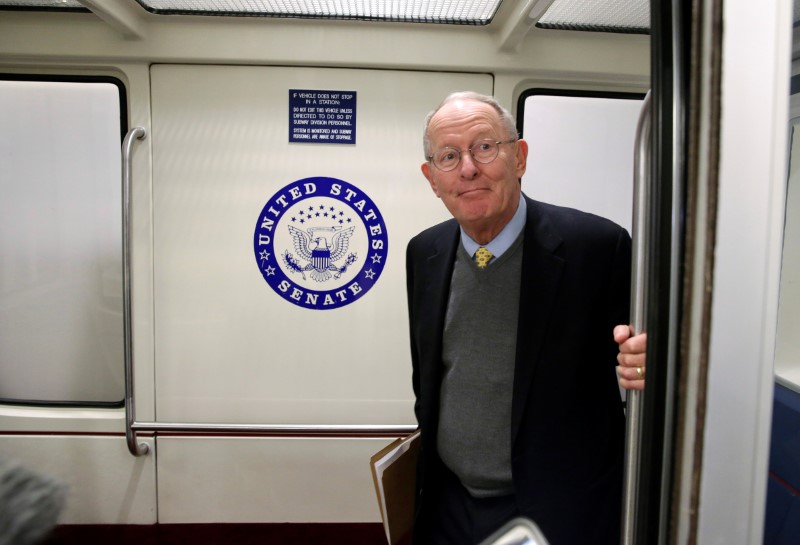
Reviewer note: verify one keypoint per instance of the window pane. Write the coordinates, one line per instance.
(581, 152)
(60, 242)
(787, 346)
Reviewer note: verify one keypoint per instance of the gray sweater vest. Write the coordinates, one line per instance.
(479, 350)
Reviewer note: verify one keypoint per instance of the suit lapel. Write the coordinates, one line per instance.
(539, 280)
(437, 275)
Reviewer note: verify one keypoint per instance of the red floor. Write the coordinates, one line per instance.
(220, 534)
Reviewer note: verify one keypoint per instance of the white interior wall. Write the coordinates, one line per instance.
(228, 348)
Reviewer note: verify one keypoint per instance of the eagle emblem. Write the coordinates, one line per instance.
(321, 248)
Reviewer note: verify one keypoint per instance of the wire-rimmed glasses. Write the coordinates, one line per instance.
(483, 151)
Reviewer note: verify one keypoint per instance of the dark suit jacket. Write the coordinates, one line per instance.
(567, 417)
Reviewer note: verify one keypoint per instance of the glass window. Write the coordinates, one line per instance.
(581, 150)
(61, 329)
(787, 345)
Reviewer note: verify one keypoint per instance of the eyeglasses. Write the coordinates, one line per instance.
(483, 151)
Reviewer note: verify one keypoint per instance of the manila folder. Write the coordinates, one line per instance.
(394, 472)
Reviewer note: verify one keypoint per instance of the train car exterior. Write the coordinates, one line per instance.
(209, 327)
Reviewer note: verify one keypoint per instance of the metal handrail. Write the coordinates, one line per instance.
(320, 430)
(641, 197)
(137, 449)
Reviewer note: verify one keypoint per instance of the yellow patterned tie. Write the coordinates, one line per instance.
(482, 257)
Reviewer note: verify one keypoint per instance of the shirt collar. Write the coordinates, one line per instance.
(507, 236)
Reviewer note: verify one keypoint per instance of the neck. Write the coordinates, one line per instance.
(482, 238)
(484, 234)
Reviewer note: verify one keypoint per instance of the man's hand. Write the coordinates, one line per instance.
(631, 357)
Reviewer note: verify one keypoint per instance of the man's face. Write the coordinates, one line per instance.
(482, 197)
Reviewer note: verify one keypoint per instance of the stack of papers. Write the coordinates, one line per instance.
(394, 474)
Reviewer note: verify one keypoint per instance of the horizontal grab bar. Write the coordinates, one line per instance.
(277, 429)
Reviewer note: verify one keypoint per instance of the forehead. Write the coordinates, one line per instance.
(463, 120)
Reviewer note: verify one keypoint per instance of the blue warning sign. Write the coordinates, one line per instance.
(322, 117)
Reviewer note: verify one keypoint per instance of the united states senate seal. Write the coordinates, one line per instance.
(320, 243)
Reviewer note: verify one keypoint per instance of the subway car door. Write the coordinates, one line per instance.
(715, 241)
(714, 256)
(282, 202)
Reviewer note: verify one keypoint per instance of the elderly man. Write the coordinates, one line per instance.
(513, 305)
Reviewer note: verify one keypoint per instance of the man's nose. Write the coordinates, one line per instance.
(468, 167)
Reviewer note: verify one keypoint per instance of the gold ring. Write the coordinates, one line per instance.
(640, 372)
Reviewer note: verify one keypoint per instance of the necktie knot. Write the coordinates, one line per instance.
(482, 257)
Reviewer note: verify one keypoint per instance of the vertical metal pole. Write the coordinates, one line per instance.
(137, 449)
(641, 197)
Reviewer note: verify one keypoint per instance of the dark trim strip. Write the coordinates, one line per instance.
(63, 404)
(44, 8)
(291, 435)
(585, 27)
(670, 45)
(387, 435)
(65, 433)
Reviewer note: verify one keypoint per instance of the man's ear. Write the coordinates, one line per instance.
(426, 171)
(522, 157)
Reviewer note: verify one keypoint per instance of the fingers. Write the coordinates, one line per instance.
(631, 358)
(632, 384)
(636, 343)
(621, 333)
(631, 373)
(631, 378)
